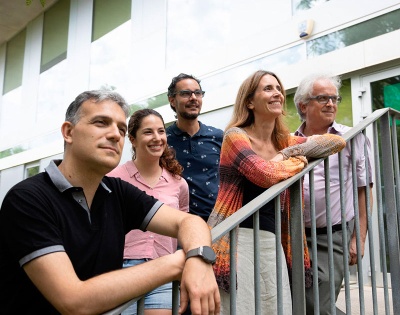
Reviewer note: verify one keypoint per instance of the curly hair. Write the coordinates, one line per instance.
(242, 116)
(167, 159)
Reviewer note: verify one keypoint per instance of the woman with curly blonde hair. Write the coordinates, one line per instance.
(155, 170)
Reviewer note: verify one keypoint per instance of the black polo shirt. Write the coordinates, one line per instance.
(45, 214)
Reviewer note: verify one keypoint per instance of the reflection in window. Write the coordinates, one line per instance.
(14, 62)
(55, 34)
(236, 75)
(110, 50)
(31, 169)
(152, 102)
(201, 29)
(110, 61)
(224, 80)
(51, 103)
(301, 5)
(354, 34)
(108, 15)
(11, 117)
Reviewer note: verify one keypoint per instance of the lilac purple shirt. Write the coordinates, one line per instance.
(172, 191)
(319, 179)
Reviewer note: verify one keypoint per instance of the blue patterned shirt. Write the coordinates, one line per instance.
(199, 156)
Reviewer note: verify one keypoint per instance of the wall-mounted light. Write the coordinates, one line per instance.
(305, 28)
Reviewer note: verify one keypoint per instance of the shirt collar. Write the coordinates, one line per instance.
(133, 171)
(332, 129)
(202, 131)
(59, 179)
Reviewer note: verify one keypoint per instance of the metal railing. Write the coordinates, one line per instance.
(381, 128)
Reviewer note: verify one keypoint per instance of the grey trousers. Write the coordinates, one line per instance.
(323, 271)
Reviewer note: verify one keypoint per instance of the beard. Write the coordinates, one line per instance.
(189, 116)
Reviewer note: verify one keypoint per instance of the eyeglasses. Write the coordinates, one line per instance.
(188, 93)
(324, 99)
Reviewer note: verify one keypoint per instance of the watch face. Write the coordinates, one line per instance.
(209, 254)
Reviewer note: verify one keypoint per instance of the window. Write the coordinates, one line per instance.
(301, 5)
(15, 51)
(110, 57)
(354, 34)
(55, 34)
(108, 15)
(31, 169)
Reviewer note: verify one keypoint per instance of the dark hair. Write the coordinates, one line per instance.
(73, 112)
(175, 80)
(167, 159)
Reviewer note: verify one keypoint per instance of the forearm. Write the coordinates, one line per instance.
(193, 233)
(55, 277)
(363, 215)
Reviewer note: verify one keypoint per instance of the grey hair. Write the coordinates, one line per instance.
(73, 112)
(306, 87)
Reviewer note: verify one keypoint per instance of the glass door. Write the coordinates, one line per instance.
(379, 90)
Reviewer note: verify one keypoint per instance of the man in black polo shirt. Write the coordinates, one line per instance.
(62, 231)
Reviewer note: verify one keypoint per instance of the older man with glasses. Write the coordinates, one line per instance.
(197, 146)
(317, 103)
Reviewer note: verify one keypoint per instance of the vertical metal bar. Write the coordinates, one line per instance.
(256, 235)
(344, 233)
(381, 225)
(391, 212)
(278, 236)
(232, 254)
(357, 229)
(314, 243)
(329, 237)
(175, 297)
(370, 233)
(396, 165)
(140, 306)
(296, 228)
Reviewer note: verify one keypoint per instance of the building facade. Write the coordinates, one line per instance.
(137, 46)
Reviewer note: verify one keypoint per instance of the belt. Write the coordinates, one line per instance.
(323, 230)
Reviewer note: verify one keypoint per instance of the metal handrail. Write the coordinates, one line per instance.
(229, 224)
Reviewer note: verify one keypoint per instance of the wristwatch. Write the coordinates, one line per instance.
(205, 252)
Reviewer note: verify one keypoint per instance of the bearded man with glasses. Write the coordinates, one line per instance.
(317, 103)
(197, 146)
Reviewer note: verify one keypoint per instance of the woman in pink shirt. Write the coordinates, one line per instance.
(155, 170)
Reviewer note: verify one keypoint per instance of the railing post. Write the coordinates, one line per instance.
(296, 229)
(391, 212)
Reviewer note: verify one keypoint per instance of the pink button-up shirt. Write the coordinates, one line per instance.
(319, 179)
(171, 191)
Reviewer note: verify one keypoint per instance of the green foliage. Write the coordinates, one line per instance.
(344, 113)
(11, 151)
(29, 2)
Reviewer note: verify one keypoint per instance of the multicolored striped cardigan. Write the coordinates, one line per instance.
(238, 161)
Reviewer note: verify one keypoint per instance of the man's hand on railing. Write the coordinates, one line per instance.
(198, 285)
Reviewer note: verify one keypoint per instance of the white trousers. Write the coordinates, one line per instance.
(245, 276)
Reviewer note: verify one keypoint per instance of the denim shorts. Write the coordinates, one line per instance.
(160, 297)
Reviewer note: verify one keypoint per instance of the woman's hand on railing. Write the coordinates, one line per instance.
(317, 146)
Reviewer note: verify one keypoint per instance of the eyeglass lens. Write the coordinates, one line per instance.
(188, 93)
(324, 99)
